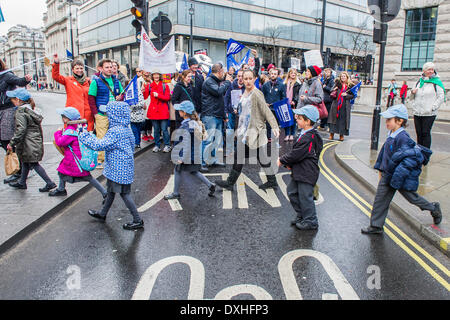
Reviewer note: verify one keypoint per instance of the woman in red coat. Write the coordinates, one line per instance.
(158, 111)
(404, 91)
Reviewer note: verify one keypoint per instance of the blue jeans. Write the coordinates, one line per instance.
(290, 131)
(211, 124)
(159, 125)
(231, 124)
(136, 127)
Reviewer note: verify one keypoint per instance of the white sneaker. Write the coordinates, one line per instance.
(167, 149)
(156, 149)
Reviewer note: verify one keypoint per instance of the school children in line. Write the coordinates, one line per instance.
(303, 161)
(185, 156)
(118, 144)
(28, 140)
(70, 169)
(400, 164)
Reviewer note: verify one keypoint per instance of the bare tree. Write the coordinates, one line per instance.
(270, 40)
(358, 45)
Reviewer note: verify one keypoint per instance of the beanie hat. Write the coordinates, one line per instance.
(315, 70)
(192, 61)
(271, 66)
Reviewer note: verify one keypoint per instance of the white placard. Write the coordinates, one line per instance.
(313, 58)
(296, 63)
(152, 60)
(235, 98)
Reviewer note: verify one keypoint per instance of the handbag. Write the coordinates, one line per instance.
(333, 94)
(323, 112)
(12, 165)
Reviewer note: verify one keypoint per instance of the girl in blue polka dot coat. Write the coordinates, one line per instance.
(118, 144)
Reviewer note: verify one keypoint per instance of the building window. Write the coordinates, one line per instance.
(420, 35)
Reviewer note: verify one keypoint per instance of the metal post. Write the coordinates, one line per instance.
(24, 66)
(191, 40)
(70, 26)
(322, 32)
(376, 112)
(35, 57)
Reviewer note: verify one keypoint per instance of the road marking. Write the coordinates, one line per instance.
(388, 232)
(292, 290)
(196, 291)
(197, 279)
(257, 292)
(444, 243)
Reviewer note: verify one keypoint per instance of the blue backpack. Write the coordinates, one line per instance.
(88, 161)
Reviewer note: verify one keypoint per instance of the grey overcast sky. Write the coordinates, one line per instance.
(26, 12)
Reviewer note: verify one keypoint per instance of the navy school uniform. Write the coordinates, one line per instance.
(398, 143)
(303, 160)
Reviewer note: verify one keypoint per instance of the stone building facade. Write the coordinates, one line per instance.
(411, 43)
(21, 46)
(60, 33)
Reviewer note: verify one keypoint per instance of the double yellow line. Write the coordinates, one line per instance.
(366, 208)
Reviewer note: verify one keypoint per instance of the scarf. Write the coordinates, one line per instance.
(340, 100)
(81, 80)
(434, 80)
(290, 91)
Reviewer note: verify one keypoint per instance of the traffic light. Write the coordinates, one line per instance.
(140, 13)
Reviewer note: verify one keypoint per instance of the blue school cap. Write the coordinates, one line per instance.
(397, 111)
(70, 113)
(19, 93)
(185, 106)
(309, 111)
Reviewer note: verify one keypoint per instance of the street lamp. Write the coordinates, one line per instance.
(191, 48)
(70, 25)
(33, 34)
(322, 32)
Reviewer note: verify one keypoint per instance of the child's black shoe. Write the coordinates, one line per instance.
(48, 187)
(172, 196)
(134, 225)
(18, 185)
(372, 230)
(212, 189)
(436, 213)
(96, 215)
(57, 193)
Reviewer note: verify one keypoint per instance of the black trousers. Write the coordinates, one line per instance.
(390, 101)
(239, 157)
(423, 126)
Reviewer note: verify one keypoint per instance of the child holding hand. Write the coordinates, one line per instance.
(69, 169)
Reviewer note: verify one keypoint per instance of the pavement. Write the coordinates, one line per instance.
(25, 210)
(358, 159)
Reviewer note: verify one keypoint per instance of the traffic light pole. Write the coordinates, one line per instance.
(375, 137)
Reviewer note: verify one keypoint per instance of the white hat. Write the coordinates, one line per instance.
(428, 65)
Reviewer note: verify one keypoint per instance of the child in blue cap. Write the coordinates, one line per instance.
(186, 153)
(303, 161)
(28, 140)
(400, 164)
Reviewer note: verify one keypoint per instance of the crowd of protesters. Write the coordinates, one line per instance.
(208, 108)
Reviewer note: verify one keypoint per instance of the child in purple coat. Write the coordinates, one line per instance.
(68, 169)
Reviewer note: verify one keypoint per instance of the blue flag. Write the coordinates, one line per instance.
(234, 47)
(2, 18)
(233, 63)
(355, 90)
(284, 113)
(132, 93)
(69, 54)
(184, 65)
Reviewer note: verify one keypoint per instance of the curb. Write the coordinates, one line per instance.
(368, 176)
(53, 212)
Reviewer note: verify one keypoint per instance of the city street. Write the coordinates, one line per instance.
(238, 244)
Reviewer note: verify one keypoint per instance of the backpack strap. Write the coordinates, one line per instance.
(70, 132)
(77, 161)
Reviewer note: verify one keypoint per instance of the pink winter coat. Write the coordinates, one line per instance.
(68, 166)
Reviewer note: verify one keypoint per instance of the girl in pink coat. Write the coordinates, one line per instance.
(68, 169)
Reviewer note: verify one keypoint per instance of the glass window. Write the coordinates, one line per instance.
(419, 41)
(284, 5)
(113, 7)
(310, 8)
(113, 31)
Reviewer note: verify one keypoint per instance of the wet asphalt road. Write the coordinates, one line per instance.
(232, 246)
